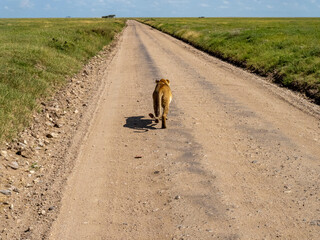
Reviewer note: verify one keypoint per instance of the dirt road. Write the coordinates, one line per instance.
(240, 158)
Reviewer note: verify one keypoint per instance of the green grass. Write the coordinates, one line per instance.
(286, 49)
(36, 57)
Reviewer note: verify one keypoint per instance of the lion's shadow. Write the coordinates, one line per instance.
(140, 123)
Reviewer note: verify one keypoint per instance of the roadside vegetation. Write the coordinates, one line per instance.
(37, 56)
(284, 49)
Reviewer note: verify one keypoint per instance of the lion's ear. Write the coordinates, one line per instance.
(157, 81)
(168, 81)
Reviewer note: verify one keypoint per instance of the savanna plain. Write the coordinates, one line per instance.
(36, 56)
(81, 159)
(285, 49)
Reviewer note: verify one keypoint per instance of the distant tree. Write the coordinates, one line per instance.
(109, 16)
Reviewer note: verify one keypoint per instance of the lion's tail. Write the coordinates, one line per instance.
(156, 105)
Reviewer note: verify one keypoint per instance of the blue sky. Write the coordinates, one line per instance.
(157, 8)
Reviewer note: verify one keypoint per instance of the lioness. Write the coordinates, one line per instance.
(162, 96)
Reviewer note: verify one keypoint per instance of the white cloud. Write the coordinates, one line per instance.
(26, 4)
(204, 5)
(6, 7)
(225, 4)
(269, 7)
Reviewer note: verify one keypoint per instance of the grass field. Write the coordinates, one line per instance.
(36, 56)
(286, 49)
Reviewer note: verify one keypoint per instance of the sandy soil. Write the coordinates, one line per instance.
(239, 160)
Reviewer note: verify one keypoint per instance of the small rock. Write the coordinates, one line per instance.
(36, 180)
(19, 152)
(49, 135)
(177, 197)
(57, 125)
(14, 165)
(21, 146)
(156, 172)
(5, 192)
(315, 223)
(29, 229)
(4, 154)
(76, 111)
(43, 212)
(40, 143)
(49, 124)
(138, 156)
(51, 208)
(24, 153)
(29, 185)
